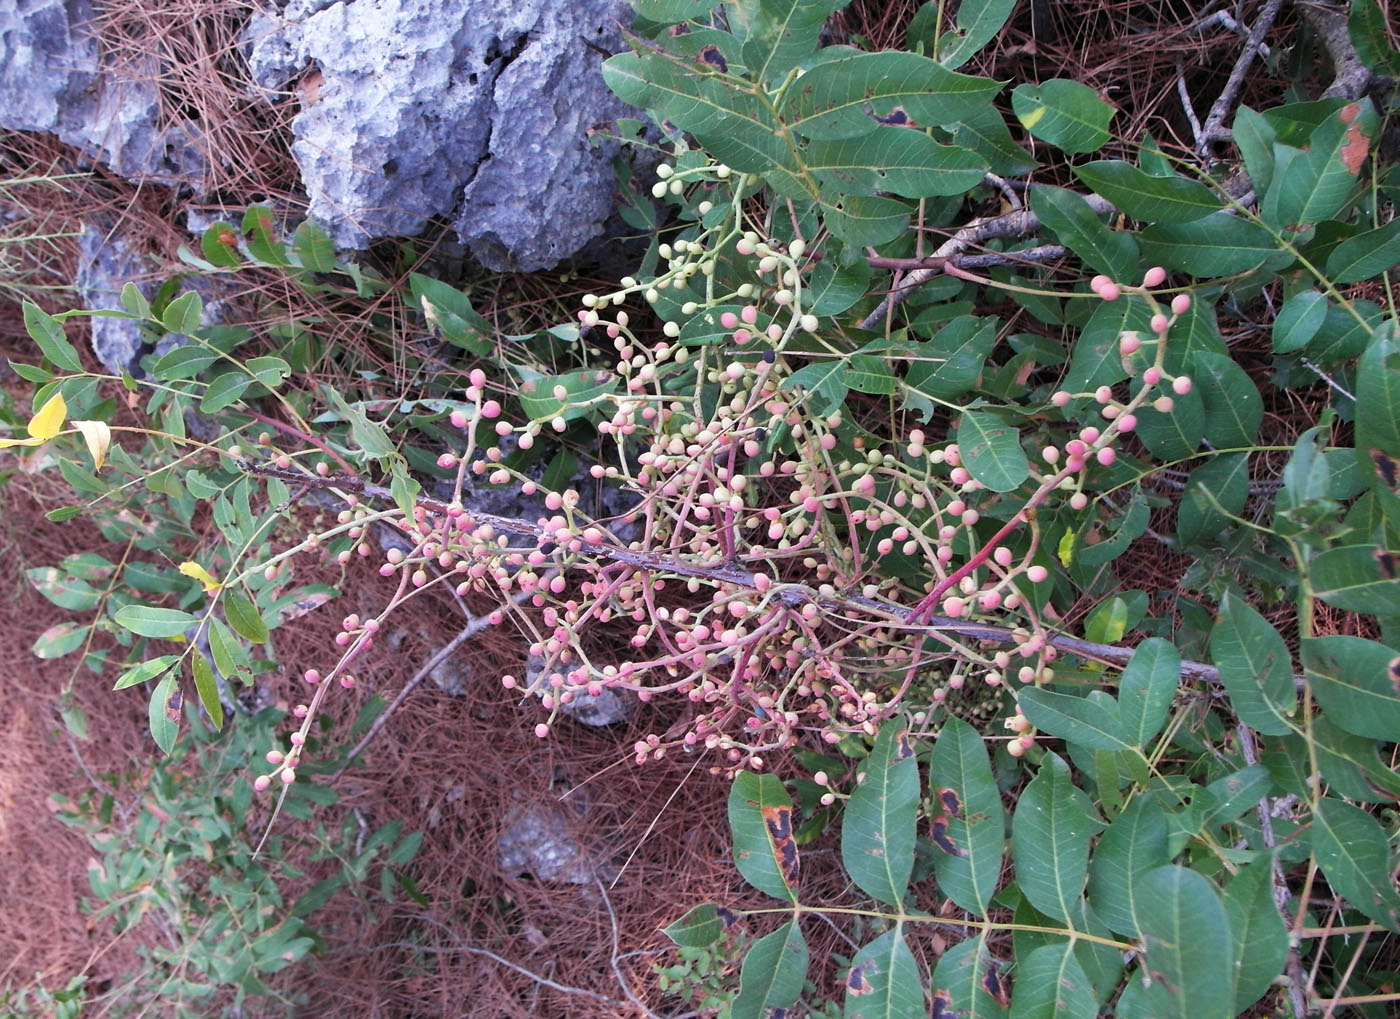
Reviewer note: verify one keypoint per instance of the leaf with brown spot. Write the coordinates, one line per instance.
(1387, 561)
(952, 805)
(778, 821)
(856, 981)
(942, 1006)
(941, 839)
(300, 607)
(902, 750)
(897, 117)
(1355, 148)
(1394, 670)
(993, 984)
(1388, 469)
(712, 57)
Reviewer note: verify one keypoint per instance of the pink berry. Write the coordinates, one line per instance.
(1106, 455)
(542, 730)
(1060, 398)
(1127, 422)
(1160, 324)
(1155, 277)
(458, 419)
(1181, 385)
(1037, 574)
(1181, 303)
(1152, 376)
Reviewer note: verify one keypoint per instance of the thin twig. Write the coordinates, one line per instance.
(1266, 825)
(732, 573)
(613, 955)
(1186, 106)
(470, 950)
(1043, 253)
(1215, 120)
(1017, 224)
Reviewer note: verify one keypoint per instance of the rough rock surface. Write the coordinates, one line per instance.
(105, 263)
(51, 79)
(414, 109)
(552, 842)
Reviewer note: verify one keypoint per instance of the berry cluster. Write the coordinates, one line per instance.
(778, 550)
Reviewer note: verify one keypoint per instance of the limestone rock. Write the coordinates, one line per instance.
(52, 79)
(415, 109)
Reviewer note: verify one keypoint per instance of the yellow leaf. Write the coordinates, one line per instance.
(49, 421)
(99, 440)
(199, 573)
(1066, 549)
(1033, 118)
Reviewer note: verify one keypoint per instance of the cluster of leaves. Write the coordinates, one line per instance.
(812, 468)
(184, 854)
(1164, 785)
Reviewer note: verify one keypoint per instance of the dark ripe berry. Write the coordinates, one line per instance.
(769, 356)
(548, 548)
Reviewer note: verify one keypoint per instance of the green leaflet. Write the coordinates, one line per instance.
(1255, 667)
(1134, 843)
(1257, 930)
(1050, 834)
(1076, 226)
(1050, 984)
(878, 831)
(1067, 114)
(1189, 943)
(772, 974)
(969, 839)
(991, 451)
(760, 819)
(1352, 849)
(1146, 198)
(855, 95)
(884, 981)
(1355, 681)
